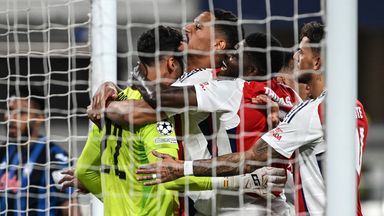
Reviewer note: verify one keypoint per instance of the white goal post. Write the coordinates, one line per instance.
(341, 79)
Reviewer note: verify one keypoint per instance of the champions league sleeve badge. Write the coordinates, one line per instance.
(164, 127)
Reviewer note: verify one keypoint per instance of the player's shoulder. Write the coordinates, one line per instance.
(196, 75)
(254, 85)
(286, 91)
(305, 111)
(57, 153)
(159, 133)
(360, 114)
(163, 127)
(359, 104)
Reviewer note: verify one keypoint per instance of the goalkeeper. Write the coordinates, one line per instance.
(120, 150)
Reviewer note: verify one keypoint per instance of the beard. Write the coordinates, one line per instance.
(19, 137)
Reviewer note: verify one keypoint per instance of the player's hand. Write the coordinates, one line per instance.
(70, 180)
(108, 91)
(166, 170)
(262, 181)
(273, 116)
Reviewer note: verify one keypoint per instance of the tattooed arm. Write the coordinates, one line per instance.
(236, 163)
(231, 164)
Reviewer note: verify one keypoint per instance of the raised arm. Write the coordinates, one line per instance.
(170, 96)
(108, 91)
(132, 112)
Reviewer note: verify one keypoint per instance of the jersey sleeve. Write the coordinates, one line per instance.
(191, 183)
(219, 95)
(88, 164)
(301, 126)
(58, 161)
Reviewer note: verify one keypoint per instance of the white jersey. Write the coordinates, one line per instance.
(221, 96)
(224, 96)
(301, 132)
(194, 142)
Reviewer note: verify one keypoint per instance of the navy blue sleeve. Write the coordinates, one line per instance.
(59, 160)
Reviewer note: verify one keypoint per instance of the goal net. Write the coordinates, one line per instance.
(52, 46)
(45, 57)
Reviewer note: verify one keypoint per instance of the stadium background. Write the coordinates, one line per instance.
(70, 91)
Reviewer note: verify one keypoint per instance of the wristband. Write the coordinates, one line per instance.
(219, 182)
(188, 168)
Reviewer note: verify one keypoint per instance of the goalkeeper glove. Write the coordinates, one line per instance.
(260, 181)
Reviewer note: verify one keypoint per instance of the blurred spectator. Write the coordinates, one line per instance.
(28, 161)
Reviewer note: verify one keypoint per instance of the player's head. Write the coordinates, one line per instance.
(308, 57)
(255, 57)
(286, 73)
(199, 35)
(26, 113)
(170, 59)
(288, 76)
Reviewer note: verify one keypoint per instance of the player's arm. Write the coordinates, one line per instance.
(108, 91)
(226, 165)
(258, 182)
(60, 161)
(170, 96)
(211, 96)
(88, 165)
(132, 112)
(301, 128)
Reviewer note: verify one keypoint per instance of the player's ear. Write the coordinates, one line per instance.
(251, 70)
(171, 64)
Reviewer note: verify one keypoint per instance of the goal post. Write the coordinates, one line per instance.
(103, 57)
(104, 42)
(341, 79)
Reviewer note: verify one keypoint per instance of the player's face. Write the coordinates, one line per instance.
(198, 34)
(308, 62)
(19, 119)
(305, 58)
(239, 63)
(230, 66)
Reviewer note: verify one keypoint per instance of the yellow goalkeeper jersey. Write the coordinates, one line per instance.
(123, 150)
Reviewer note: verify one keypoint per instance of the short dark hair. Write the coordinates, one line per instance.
(259, 40)
(314, 31)
(169, 40)
(229, 28)
(35, 93)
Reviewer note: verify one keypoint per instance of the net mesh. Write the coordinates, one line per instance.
(46, 44)
(45, 55)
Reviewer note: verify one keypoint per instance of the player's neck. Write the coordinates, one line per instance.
(194, 62)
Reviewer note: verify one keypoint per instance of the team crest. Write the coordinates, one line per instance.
(164, 127)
